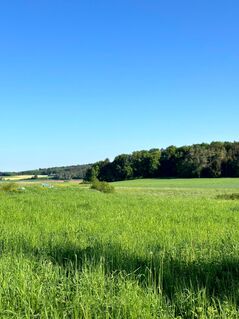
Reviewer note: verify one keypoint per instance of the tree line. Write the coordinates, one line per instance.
(217, 159)
(64, 172)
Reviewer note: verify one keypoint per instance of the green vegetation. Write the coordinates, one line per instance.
(234, 196)
(189, 183)
(15, 178)
(8, 187)
(218, 159)
(64, 172)
(103, 187)
(159, 251)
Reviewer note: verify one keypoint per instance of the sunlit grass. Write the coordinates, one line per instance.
(181, 183)
(71, 252)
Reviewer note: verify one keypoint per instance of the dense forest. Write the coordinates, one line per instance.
(218, 159)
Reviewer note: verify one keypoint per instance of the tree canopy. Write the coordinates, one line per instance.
(217, 159)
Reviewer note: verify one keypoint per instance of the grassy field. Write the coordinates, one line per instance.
(153, 249)
(16, 178)
(182, 183)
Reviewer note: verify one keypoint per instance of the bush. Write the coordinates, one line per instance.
(9, 187)
(103, 187)
(233, 196)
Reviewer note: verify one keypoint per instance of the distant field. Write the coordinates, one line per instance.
(153, 249)
(21, 177)
(181, 183)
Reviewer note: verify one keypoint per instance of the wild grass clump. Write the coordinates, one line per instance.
(103, 187)
(233, 196)
(9, 187)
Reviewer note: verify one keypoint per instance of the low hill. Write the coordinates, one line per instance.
(63, 172)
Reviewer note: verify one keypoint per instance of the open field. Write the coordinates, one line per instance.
(153, 249)
(16, 178)
(212, 183)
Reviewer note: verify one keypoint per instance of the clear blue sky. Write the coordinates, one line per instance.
(84, 80)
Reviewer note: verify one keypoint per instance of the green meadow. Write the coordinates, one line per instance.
(214, 183)
(152, 249)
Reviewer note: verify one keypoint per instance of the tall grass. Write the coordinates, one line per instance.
(68, 252)
(9, 187)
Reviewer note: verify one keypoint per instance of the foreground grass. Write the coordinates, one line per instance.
(71, 252)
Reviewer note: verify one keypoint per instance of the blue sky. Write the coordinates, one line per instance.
(84, 80)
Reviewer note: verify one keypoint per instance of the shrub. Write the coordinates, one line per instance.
(103, 187)
(9, 187)
(233, 196)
